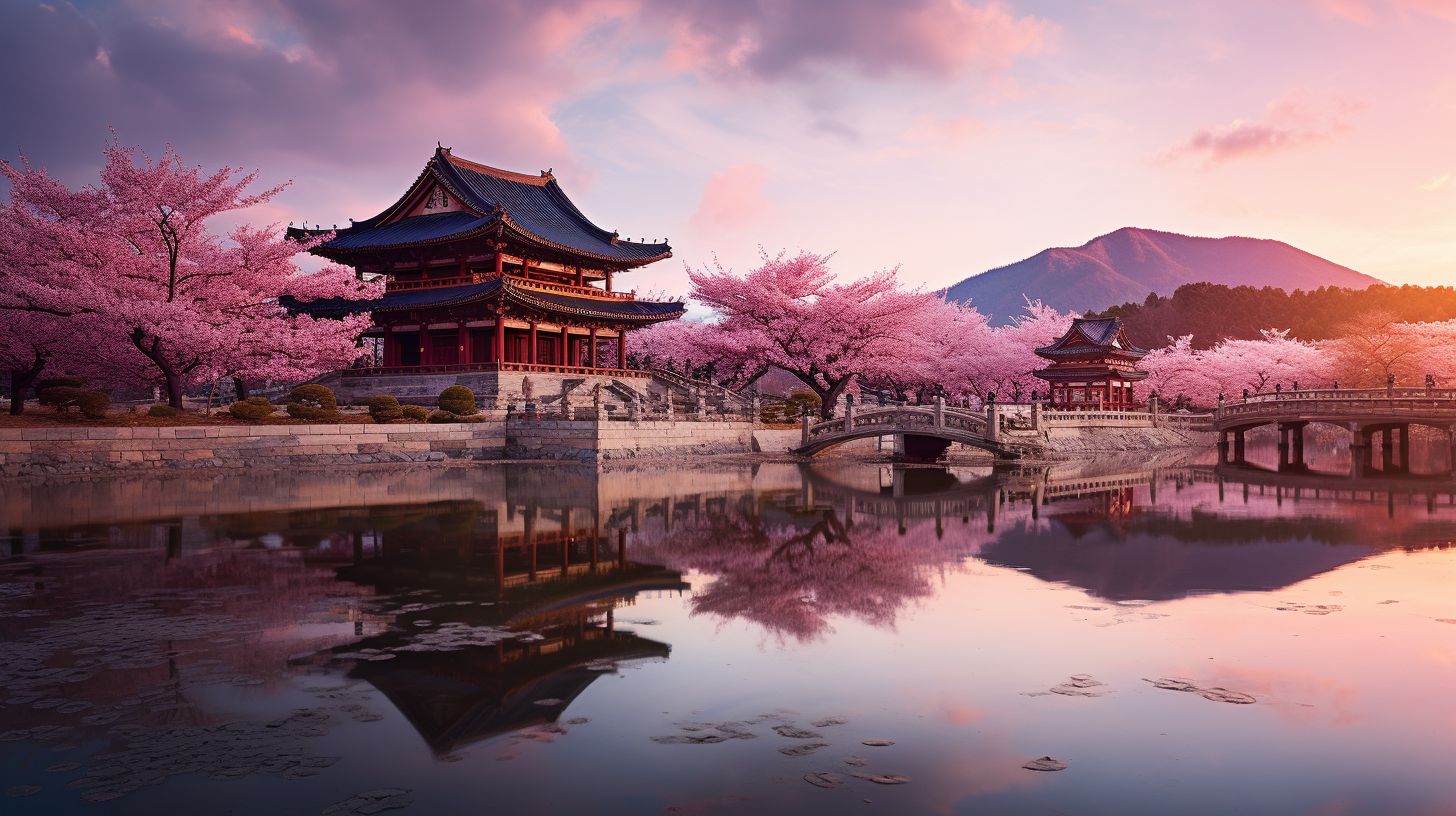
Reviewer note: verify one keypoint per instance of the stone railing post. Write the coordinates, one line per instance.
(702, 406)
(939, 411)
(757, 410)
(634, 410)
(804, 428)
(993, 425)
(1153, 409)
(565, 405)
(849, 416)
(1036, 415)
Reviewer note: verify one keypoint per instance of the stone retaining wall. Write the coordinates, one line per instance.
(41, 451)
(51, 451)
(603, 439)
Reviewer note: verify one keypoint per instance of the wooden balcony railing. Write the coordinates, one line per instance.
(514, 280)
(567, 289)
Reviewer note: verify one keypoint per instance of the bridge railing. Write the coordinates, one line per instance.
(1343, 402)
(893, 418)
(1349, 394)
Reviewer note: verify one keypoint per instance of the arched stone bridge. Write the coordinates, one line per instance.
(1366, 413)
(926, 431)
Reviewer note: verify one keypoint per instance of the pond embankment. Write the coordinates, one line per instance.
(1070, 443)
(57, 451)
(62, 451)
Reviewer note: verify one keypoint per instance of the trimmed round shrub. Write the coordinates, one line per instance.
(60, 397)
(251, 408)
(313, 402)
(415, 413)
(384, 408)
(163, 411)
(458, 400)
(94, 404)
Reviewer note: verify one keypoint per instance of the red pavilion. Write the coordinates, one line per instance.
(1092, 366)
(488, 271)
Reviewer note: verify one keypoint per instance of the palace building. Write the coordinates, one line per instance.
(488, 272)
(1093, 366)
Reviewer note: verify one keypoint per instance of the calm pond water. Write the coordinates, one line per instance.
(730, 638)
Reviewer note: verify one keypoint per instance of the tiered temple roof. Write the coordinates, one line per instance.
(486, 202)
(1092, 337)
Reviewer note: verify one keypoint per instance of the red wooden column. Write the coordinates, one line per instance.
(391, 346)
(609, 280)
(591, 348)
(426, 358)
(532, 350)
(621, 348)
(500, 336)
(565, 346)
(462, 336)
(500, 264)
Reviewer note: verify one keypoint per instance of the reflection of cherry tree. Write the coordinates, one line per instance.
(792, 575)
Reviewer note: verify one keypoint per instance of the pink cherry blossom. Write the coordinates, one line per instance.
(130, 274)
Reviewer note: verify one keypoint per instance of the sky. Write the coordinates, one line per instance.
(944, 136)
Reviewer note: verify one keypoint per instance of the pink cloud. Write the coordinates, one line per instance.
(1293, 120)
(773, 40)
(732, 198)
(940, 132)
(1368, 12)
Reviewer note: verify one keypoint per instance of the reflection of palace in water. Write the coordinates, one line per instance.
(558, 552)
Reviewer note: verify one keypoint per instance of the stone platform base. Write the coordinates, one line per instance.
(496, 389)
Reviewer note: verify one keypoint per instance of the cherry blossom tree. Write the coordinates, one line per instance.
(792, 312)
(1233, 366)
(1013, 358)
(1378, 346)
(132, 260)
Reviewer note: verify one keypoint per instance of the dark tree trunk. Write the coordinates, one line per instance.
(827, 396)
(241, 386)
(152, 348)
(20, 381)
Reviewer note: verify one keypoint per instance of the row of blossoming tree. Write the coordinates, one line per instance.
(124, 283)
(793, 313)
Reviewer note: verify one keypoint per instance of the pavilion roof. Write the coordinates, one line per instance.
(1092, 335)
(531, 209)
(632, 311)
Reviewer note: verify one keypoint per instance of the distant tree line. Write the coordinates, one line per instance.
(1214, 312)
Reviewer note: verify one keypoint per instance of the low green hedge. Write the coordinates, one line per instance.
(163, 411)
(416, 413)
(65, 397)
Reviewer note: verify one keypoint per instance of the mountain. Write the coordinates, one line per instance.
(1130, 263)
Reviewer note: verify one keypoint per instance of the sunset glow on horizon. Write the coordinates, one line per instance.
(950, 136)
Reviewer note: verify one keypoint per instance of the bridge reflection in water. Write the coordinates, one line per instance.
(500, 593)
